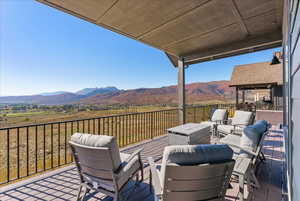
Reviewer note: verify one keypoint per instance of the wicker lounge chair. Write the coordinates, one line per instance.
(192, 172)
(101, 166)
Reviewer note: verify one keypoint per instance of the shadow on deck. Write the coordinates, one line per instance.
(62, 184)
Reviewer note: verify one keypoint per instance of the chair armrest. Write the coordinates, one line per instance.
(243, 149)
(135, 153)
(238, 128)
(218, 121)
(157, 185)
(227, 122)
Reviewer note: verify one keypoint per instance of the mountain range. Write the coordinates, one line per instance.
(195, 92)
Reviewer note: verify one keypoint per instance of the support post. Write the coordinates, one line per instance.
(181, 90)
(271, 95)
(243, 96)
(236, 97)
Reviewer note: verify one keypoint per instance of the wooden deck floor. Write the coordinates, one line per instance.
(62, 184)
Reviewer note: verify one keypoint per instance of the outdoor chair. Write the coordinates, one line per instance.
(192, 172)
(101, 166)
(247, 150)
(236, 124)
(219, 116)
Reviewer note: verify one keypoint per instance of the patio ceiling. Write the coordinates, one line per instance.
(197, 30)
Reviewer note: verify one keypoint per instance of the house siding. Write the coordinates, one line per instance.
(292, 69)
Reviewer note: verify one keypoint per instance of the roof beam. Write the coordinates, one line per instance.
(257, 43)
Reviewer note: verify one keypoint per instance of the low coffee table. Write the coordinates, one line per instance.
(189, 134)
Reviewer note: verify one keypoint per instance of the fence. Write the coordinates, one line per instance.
(27, 150)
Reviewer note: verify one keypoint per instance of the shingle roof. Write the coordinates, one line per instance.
(257, 74)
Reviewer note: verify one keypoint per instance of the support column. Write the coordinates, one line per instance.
(181, 90)
(243, 96)
(271, 95)
(236, 97)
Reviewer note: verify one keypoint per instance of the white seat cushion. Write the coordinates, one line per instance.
(225, 128)
(231, 139)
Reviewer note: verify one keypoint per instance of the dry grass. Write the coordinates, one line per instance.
(38, 148)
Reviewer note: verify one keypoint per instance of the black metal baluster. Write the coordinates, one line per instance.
(36, 149)
(77, 126)
(44, 146)
(7, 155)
(127, 128)
(52, 150)
(27, 151)
(72, 132)
(66, 131)
(83, 124)
(58, 145)
(18, 153)
(94, 131)
(103, 126)
(98, 126)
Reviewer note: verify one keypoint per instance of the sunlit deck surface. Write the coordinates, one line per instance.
(62, 184)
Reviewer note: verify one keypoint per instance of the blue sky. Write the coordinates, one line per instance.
(43, 49)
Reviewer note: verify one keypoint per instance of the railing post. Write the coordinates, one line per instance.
(181, 91)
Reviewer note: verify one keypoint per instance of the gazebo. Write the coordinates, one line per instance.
(263, 75)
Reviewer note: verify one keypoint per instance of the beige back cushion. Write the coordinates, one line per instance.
(194, 155)
(242, 118)
(99, 141)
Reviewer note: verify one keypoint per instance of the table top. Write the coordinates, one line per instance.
(189, 128)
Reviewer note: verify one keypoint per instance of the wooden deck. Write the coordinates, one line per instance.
(62, 184)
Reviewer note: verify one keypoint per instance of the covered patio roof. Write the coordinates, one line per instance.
(196, 30)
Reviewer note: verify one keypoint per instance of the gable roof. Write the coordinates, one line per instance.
(262, 73)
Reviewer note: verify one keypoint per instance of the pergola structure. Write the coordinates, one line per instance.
(188, 31)
(263, 75)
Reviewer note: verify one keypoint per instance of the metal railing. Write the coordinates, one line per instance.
(28, 150)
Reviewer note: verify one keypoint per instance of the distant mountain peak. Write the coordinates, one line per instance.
(96, 90)
(195, 93)
(53, 93)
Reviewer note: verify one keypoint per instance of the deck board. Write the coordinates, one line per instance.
(62, 184)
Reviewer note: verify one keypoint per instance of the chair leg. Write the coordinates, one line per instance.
(256, 183)
(150, 182)
(84, 193)
(116, 198)
(79, 192)
(142, 174)
(262, 157)
(241, 187)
